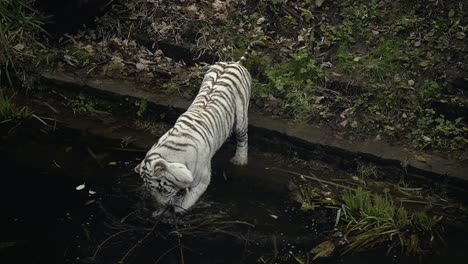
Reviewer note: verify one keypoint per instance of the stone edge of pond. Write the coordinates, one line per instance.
(302, 135)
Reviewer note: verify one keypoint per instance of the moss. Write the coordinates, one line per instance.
(171, 88)
(83, 55)
(116, 66)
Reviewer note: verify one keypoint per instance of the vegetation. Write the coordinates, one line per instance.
(372, 220)
(10, 112)
(82, 104)
(21, 26)
(371, 213)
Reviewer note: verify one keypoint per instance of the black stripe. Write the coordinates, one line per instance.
(178, 144)
(239, 82)
(222, 122)
(152, 154)
(171, 147)
(226, 98)
(186, 135)
(201, 122)
(216, 121)
(234, 85)
(238, 68)
(201, 132)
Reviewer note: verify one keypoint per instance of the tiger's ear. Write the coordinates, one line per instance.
(137, 169)
(180, 175)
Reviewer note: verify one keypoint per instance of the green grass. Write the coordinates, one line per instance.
(83, 104)
(373, 220)
(295, 80)
(153, 128)
(10, 112)
(84, 56)
(374, 65)
(20, 27)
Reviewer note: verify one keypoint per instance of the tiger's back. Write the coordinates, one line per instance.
(223, 101)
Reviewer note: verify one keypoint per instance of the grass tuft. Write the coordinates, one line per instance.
(373, 220)
(20, 27)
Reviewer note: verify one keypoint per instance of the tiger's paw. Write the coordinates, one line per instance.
(239, 160)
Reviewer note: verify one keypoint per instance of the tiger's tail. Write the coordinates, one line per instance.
(249, 50)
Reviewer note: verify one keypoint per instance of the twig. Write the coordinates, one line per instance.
(109, 238)
(125, 217)
(164, 254)
(129, 252)
(129, 150)
(315, 179)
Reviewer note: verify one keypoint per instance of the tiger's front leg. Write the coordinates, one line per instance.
(194, 193)
(190, 198)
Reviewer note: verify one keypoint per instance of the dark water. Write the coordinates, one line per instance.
(245, 216)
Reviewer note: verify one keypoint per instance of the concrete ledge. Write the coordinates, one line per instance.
(302, 135)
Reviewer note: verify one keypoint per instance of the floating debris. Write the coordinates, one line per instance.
(324, 249)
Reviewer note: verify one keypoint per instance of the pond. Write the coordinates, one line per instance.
(246, 216)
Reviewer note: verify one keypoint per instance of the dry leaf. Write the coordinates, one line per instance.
(324, 249)
(420, 158)
(319, 3)
(19, 47)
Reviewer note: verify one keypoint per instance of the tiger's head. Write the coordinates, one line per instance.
(166, 181)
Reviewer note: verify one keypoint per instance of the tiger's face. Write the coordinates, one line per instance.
(166, 181)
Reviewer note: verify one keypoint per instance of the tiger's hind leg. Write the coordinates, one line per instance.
(240, 129)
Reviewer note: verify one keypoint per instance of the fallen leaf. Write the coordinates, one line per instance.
(324, 249)
(112, 163)
(260, 20)
(426, 138)
(420, 158)
(451, 13)
(274, 216)
(347, 112)
(140, 66)
(355, 178)
(424, 63)
(319, 3)
(89, 48)
(19, 47)
(90, 202)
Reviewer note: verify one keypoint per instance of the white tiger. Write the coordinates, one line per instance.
(177, 169)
